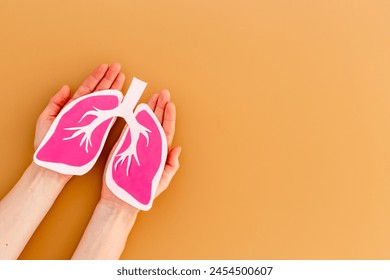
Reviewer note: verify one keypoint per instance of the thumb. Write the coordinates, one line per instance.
(57, 102)
(170, 169)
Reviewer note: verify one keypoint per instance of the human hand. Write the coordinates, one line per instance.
(106, 234)
(165, 112)
(103, 77)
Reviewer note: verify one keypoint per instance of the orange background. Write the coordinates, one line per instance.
(283, 116)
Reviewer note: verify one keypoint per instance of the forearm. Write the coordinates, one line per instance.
(25, 206)
(107, 231)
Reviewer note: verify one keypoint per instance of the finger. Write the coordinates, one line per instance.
(109, 77)
(161, 103)
(170, 169)
(92, 81)
(56, 103)
(172, 164)
(169, 121)
(153, 101)
(119, 81)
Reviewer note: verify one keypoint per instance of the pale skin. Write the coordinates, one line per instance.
(25, 206)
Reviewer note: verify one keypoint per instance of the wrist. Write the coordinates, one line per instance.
(51, 177)
(118, 206)
(107, 231)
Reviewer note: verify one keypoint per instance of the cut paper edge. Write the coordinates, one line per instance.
(66, 168)
(120, 192)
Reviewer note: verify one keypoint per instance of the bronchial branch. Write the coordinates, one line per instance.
(136, 130)
(87, 130)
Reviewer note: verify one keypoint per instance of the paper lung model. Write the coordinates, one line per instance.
(77, 136)
(138, 157)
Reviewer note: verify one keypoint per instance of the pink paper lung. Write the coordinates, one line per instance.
(137, 183)
(77, 135)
